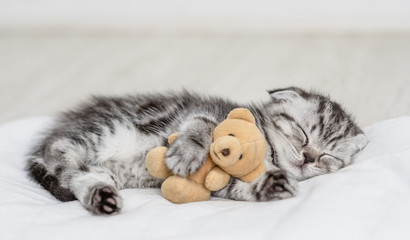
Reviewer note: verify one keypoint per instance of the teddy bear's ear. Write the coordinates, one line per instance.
(242, 113)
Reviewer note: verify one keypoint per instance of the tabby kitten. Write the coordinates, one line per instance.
(92, 152)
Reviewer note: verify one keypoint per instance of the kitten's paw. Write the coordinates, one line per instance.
(186, 155)
(105, 201)
(276, 185)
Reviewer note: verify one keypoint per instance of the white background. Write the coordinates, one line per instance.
(333, 15)
(56, 53)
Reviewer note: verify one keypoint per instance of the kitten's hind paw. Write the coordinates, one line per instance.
(105, 201)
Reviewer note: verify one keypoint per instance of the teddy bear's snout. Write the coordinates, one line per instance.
(226, 151)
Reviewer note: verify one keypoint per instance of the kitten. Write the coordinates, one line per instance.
(94, 151)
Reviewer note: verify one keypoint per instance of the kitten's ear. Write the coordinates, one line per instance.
(286, 94)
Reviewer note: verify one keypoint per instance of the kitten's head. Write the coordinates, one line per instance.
(311, 134)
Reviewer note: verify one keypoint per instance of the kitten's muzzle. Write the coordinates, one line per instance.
(308, 158)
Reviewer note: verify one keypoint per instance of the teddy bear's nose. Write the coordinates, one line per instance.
(225, 152)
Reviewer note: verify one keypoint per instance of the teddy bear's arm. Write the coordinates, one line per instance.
(155, 163)
(255, 173)
(216, 179)
(155, 160)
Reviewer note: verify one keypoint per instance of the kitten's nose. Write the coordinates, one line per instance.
(308, 158)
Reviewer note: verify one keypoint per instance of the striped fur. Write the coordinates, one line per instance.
(99, 148)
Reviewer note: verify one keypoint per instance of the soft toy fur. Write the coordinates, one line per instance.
(238, 150)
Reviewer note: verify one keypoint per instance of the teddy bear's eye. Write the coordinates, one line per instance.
(240, 157)
(231, 134)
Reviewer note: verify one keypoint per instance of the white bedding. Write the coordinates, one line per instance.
(367, 200)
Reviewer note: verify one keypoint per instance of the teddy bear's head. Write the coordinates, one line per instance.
(238, 146)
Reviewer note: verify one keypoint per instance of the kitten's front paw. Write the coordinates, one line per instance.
(275, 185)
(105, 201)
(186, 155)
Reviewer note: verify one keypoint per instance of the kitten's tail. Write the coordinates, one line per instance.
(39, 173)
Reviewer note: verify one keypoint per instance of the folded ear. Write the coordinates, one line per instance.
(286, 94)
(242, 113)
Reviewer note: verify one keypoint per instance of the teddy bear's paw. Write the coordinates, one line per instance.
(187, 154)
(275, 185)
(105, 201)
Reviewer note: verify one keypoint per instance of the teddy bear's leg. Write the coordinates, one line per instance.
(181, 190)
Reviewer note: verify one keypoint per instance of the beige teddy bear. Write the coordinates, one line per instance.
(238, 149)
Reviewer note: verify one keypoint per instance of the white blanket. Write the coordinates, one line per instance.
(367, 200)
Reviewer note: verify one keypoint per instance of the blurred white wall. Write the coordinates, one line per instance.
(250, 15)
(54, 53)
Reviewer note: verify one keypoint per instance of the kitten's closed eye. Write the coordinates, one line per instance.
(304, 136)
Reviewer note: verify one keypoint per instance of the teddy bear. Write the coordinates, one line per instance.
(238, 150)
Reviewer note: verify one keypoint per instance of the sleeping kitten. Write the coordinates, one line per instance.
(94, 151)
